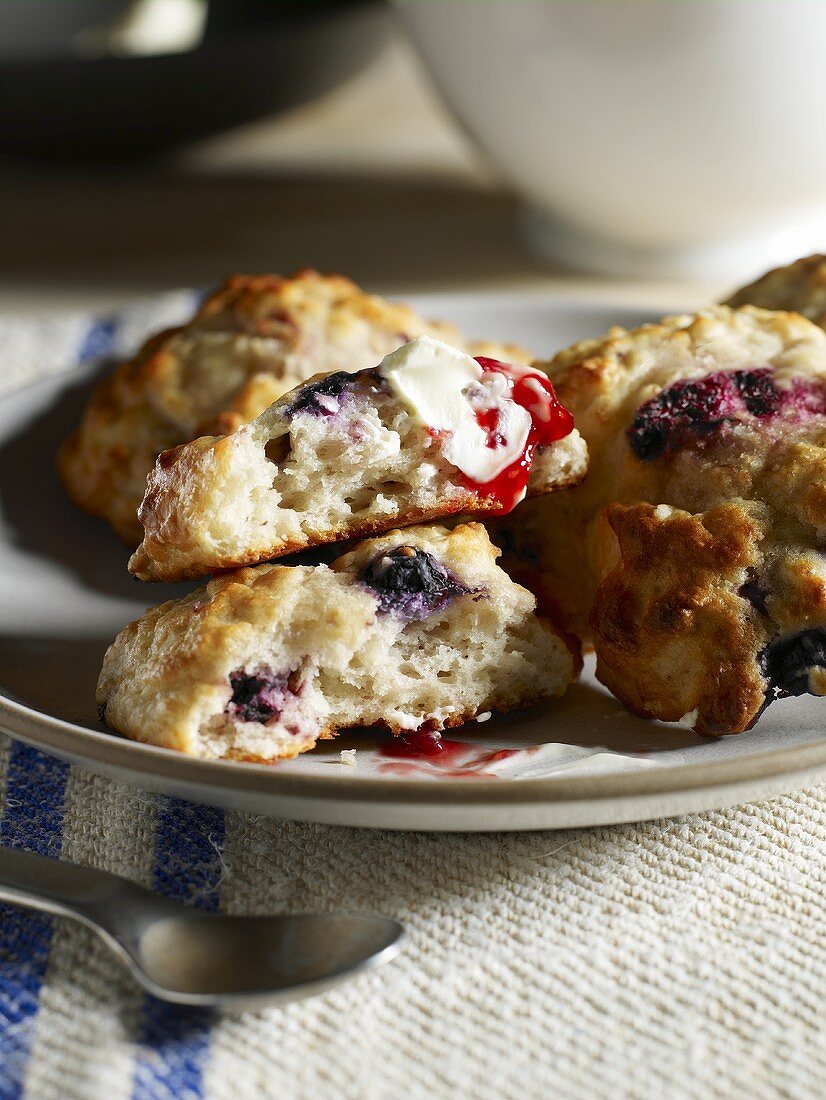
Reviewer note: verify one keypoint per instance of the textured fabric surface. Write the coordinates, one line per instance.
(682, 958)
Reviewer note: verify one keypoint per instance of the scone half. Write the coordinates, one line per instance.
(430, 432)
(417, 628)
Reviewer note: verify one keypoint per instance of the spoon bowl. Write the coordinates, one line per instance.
(201, 958)
(208, 960)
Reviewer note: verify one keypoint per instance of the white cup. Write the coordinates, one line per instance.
(674, 137)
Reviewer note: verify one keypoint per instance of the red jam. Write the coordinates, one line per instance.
(420, 742)
(550, 421)
(426, 752)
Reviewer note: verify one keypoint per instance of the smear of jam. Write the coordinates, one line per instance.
(422, 742)
(550, 421)
(419, 751)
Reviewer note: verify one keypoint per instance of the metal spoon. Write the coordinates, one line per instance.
(203, 959)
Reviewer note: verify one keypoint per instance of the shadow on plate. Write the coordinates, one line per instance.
(587, 716)
(42, 519)
(599, 721)
(56, 676)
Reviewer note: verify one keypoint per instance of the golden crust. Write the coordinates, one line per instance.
(165, 567)
(799, 286)
(466, 549)
(251, 341)
(659, 586)
(674, 634)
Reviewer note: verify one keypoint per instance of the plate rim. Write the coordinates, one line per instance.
(63, 737)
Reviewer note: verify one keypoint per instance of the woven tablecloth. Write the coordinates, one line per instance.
(682, 958)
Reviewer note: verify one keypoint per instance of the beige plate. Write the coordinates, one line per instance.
(64, 593)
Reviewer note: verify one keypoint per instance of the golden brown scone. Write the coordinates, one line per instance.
(250, 342)
(417, 628)
(671, 618)
(799, 287)
(694, 548)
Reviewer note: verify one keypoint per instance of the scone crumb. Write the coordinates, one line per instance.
(348, 758)
(483, 717)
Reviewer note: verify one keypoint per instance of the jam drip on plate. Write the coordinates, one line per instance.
(550, 421)
(424, 752)
(694, 410)
(421, 742)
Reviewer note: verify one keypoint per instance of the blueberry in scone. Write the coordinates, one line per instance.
(796, 664)
(430, 432)
(410, 583)
(694, 553)
(251, 341)
(418, 628)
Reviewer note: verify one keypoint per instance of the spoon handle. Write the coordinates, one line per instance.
(62, 888)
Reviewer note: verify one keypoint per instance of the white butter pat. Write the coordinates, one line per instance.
(443, 388)
(429, 377)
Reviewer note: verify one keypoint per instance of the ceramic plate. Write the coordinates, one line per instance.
(64, 593)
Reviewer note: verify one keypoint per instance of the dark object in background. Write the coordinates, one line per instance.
(257, 57)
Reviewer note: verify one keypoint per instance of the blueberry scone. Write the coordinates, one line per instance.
(695, 548)
(799, 286)
(418, 628)
(251, 341)
(430, 432)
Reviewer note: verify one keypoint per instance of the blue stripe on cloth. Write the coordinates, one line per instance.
(99, 339)
(32, 820)
(174, 1041)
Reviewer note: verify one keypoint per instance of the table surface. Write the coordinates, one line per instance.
(374, 180)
